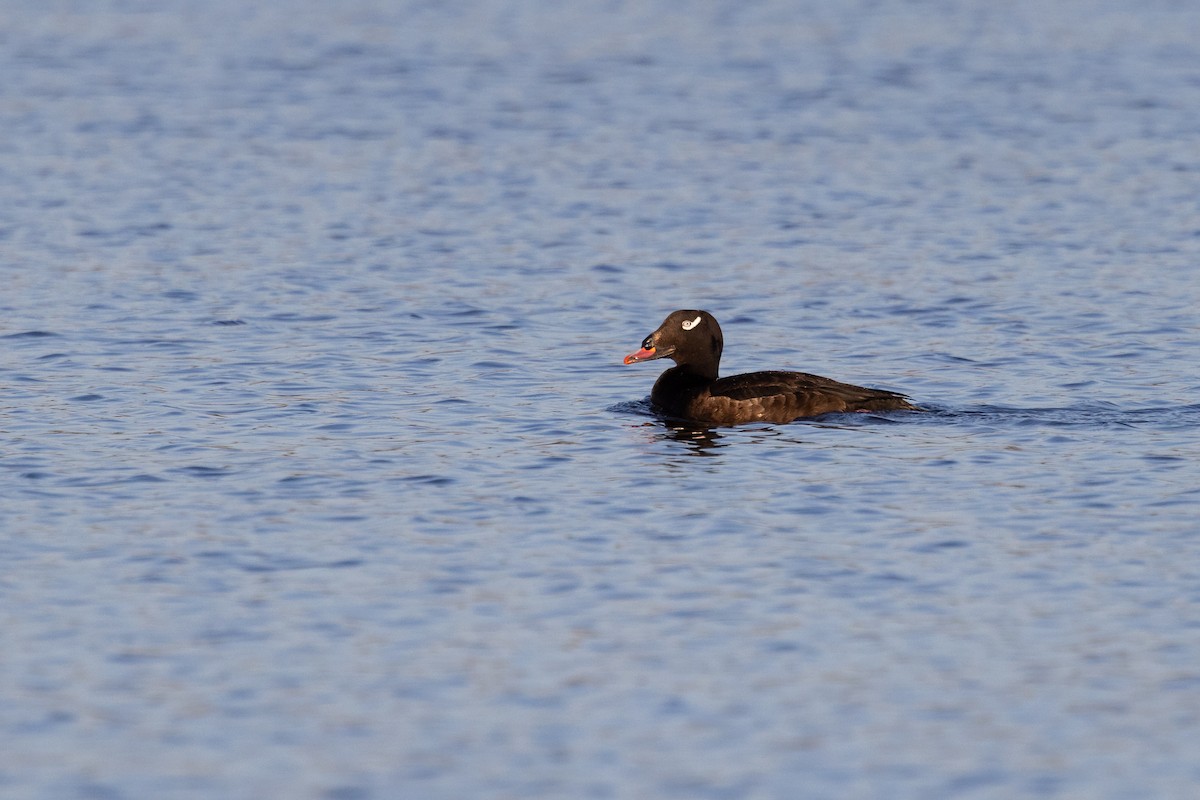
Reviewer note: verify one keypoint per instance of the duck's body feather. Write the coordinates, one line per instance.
(764, 397)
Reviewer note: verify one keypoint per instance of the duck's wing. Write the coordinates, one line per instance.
(805, 394)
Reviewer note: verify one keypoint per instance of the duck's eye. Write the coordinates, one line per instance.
(689, 324)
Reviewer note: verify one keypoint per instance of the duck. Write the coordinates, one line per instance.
(691, 390)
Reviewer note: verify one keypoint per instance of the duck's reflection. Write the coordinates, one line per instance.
(700, 439)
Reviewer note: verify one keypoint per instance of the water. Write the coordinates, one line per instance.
(322, 477)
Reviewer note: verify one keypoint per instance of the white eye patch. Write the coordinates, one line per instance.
(687, 326)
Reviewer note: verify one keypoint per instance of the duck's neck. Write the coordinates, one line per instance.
(705, 372)
(676, 388)
(680, 380)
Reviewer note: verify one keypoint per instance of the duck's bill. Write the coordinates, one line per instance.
(645, 354)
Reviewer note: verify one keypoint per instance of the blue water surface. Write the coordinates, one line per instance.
(321, 476)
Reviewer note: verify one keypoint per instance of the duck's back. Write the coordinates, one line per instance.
(779, 397)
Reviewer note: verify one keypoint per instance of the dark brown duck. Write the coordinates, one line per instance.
(691, 389)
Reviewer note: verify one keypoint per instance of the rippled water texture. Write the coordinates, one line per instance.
(321, 476)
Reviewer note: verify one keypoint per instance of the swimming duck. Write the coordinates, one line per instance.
(691, 389)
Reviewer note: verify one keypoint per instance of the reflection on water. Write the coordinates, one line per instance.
(699, 438)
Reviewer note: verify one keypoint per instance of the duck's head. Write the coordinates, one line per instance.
(689, 338)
